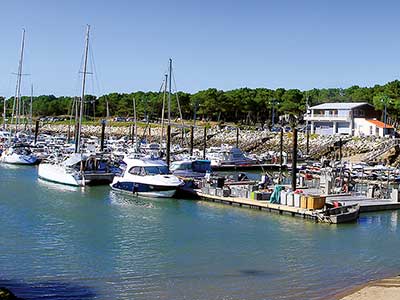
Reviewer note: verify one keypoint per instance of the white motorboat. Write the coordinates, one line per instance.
(18, 155)
(228, 157)
(147, 177)
(195, 168)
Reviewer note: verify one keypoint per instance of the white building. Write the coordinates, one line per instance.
(346, 118)
(364, 127)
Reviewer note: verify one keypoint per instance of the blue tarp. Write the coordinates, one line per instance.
(276, 194)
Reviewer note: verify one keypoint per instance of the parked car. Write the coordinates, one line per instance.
(119, 119)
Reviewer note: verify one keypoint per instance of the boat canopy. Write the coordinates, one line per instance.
(74, 159)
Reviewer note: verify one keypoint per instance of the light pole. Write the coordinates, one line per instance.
(273, 113)
(384, 100)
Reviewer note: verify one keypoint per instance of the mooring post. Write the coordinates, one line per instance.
(204, 142)
(168, 144)
(294, 159)
(340, 149)
(281, 156)
(182, 136)
(69, 133)
(237, 137)
(133, 133)
(103, 130)
(191, 139)
(149, 133)
(308, 141)
(36, 130)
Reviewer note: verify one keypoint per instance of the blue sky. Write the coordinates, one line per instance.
(222, 44)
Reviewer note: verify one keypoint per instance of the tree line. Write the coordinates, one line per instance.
(242, 106)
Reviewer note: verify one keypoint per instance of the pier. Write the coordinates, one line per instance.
(259, 205)
(366, 204)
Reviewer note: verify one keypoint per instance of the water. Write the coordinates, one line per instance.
(70, 243)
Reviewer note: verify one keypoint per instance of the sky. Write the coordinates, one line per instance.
(219, 44)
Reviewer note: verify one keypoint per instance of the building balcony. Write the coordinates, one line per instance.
(327, 118)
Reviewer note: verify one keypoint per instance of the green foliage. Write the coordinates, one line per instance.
(242, 106)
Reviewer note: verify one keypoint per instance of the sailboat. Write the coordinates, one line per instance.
(78, 169)
(17, 153)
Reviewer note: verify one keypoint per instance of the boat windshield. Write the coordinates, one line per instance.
(156, 170)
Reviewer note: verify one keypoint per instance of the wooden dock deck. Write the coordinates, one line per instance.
(366, 204)
(260, 205)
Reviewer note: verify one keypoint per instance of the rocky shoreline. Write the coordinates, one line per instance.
(255, 142)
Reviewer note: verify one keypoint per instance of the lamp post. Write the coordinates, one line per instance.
(273, 113)
(384, 99)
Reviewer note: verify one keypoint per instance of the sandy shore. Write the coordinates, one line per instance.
(385, 289)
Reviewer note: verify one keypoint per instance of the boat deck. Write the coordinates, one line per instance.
(367, 204)
(246, 167)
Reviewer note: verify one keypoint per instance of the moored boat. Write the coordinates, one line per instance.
(18, 155)
(77, 170)
(341, 214)
(147, 177)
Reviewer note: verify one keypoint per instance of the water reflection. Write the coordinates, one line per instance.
(58, 186)
(117, 246)
(55, 290)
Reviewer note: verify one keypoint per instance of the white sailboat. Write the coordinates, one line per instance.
(19, 154)
(78, 169)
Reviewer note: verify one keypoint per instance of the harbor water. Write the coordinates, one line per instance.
(62, 242)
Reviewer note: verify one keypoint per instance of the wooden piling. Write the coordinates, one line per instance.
(204, 142)
(103, 130)
(191, 139)
(36, 130)
(294, 159)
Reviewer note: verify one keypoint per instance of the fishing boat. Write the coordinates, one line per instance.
(147, 177)
(338, 215)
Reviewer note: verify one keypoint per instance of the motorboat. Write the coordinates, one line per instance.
(221, 157)
(197, 168)
(147, 177)
(341, 214)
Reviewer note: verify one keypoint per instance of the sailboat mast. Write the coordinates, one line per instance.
(169, 91)
(163, 107)
(30, 112)
(78, 140)
(4, 113)
(17, 105)
(134, 119)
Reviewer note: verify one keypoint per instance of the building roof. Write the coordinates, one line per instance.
(339, 105)
(380, 124)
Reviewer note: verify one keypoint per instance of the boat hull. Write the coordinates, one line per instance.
(144, 190)
(58, 174)
(18, 159)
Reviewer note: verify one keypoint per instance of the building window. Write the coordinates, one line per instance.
(371, 130)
